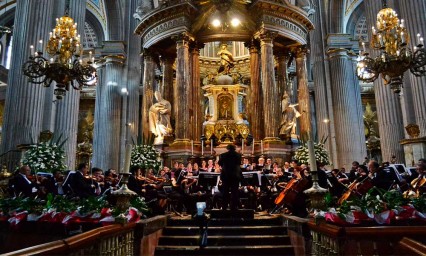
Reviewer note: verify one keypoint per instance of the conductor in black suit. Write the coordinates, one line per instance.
(230, 176)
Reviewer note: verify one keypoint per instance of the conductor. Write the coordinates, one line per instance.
(230, 176)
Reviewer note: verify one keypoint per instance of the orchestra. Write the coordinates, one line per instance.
(265, 185)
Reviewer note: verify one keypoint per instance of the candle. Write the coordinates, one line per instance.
(402, 23)
(192, 147)
(261, 147)
(90, 55)
(129, 148)
(363, 46)
(242, 147)
(211, 147)
(421, 40)
(41, 45)
(418, 38)
(202, 148)
(402, 38)
(252, 151)
(32, 49)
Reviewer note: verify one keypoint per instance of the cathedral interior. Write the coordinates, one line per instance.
(174, 47)
(194, 76)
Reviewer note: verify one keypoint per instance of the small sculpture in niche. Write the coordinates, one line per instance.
(226, 60)
(159, 118)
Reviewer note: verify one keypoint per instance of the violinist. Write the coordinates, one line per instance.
(22, 185)
(59, 180)
(379, 177)
(81, 186)
(135, 180)
(111, 179)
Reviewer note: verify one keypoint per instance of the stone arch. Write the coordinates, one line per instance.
(354, 18)
(114, 20)
(96, 25)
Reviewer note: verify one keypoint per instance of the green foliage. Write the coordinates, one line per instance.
(420, 203)
(92, 204)
(61, 204)
(46, 156)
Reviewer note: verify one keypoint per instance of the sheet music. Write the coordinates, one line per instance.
(250, 174)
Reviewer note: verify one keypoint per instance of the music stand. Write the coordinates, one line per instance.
(208, 179)
(250, 179)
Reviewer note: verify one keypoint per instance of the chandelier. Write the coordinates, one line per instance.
(65, 65)
(391, 39)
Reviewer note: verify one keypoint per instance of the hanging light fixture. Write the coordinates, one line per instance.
(65, 66)
(391, 39)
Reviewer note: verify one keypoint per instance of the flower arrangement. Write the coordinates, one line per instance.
(46, 156)
(145, 156)
(379, 206)
(63, 210)
(321, 154)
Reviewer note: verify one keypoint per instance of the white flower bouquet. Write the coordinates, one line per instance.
(145, 156)
(45, 157)
(321, 154)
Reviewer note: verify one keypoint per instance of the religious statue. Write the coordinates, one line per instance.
(225, 111)
(289, 117)
(159, 118)
(226, 60)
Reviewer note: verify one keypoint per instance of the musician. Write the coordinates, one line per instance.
(174, 169)
(134, 182)
(421, 179)
(203, 167)
(353, 174)
(340, 175)
(111, 180)
(379, 177)
(286, 167)
(195, 169)
(230, 176)
(268, 165)
(59, 180)
(210, 166)
(260, 164)
(81, 186)
(246, 164)
(22, 185)
(323, 175)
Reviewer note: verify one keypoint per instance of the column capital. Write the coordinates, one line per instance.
(265, 35)
(252, 45)
(300, 51)
(195, 46)
(183, 37)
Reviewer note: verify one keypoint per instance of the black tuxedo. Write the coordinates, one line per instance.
(81, 186)
(382, 179)
(231, 176)
(23, 186)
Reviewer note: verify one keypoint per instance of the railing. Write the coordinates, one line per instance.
(112, 240)
(409, 246)
(329, 239)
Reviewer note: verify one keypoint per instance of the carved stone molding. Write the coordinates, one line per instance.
(285, 25)
(164, 29)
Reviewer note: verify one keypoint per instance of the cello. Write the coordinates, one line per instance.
(289, 194)
(356, 188)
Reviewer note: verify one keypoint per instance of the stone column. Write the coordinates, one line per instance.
(321, 77)
(303, 91)
(347, 109)
(255, 100)
(183, 89)
(412, 11)
(168, 79)
(282, 75)
(24, 105)
(108, 115)
(66, 116)
(271, 105)
(197, 97)
(389, 114)
(147, 91)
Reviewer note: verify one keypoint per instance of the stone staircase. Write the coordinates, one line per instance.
(261, 235)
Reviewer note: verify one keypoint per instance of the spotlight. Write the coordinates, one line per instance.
(235, 22)
(216, 23)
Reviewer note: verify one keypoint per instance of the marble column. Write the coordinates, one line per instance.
(413, 11)
(23, 116)
(271, 106)
(321, 77)
(389, 113)
(147, 91)
(282, 74)
(167, 63)
(347, 109)
(303, 91)
(255, 99)
(183, 89)
(66, 116)
(108, 115)
(197, 97)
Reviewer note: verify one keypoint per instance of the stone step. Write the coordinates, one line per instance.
(226, 230)
(270, 250)
(228, 214)
(236, 240)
